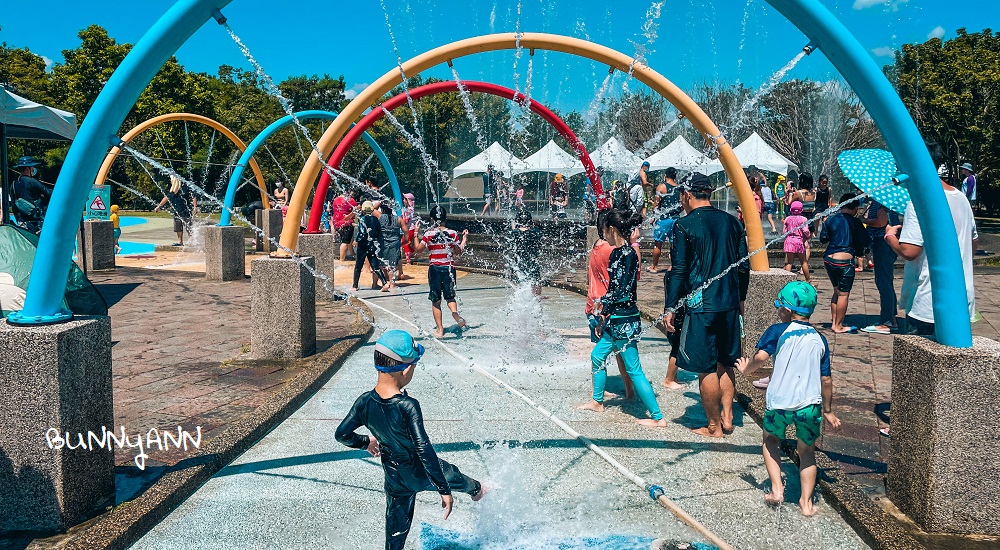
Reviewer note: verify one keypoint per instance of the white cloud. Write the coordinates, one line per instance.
(884, 51)
(893, 4)
(48, 63)
(938, 32)
(353, 91)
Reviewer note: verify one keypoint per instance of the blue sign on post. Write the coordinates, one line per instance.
(99, 203)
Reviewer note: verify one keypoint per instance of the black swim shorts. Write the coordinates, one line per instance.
(708, 338)
(841, 273)
(345, 234)
(441, 279)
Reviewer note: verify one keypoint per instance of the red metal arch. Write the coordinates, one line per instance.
(375, 114)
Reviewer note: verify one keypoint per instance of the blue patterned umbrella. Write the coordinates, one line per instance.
(872, 171)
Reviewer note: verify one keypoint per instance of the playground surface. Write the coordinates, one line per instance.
(546, 486)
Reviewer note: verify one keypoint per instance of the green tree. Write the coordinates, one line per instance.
(952, 89)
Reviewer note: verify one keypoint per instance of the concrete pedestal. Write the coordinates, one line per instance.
(943, 467)
(99, 244)
(270, 222)
(54, 377)
(324, 249)
(592, 237)
(758, 310)
(225, 253)
(283, 307)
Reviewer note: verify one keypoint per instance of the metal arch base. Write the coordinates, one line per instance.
(437, 88)
(247, 157)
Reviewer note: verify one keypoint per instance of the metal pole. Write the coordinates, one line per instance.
(4, 189)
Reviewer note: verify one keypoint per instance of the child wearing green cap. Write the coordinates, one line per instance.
(399, 439)
(800, 392)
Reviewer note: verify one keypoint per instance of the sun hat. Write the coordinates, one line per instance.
(781, 178)
(26, 162)
(795, 207)
(559, 178)
(367, 206)
(797, 296)
(399, 346)
(966, 166)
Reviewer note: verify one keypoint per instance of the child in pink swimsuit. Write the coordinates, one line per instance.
(795, 241)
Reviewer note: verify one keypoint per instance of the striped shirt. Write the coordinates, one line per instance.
(440, 243)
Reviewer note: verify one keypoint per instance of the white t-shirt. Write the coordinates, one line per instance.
(916, 293)
(801, 360)
(636, 197)
(765, 193)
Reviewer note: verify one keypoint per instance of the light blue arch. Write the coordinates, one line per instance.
(226, 217)
(48, 278)
(951, 322)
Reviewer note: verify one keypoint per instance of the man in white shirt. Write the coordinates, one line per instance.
(909, 243)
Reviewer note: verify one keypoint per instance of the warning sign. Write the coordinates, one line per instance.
(99, 203)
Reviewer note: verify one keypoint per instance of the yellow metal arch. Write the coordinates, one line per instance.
(109, 160)
(530, 41)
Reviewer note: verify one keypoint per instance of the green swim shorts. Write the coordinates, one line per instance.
(808, 421)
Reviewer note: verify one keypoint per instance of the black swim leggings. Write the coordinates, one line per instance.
(401, 488)
(367, 251)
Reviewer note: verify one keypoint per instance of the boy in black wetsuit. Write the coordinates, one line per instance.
(398, 436)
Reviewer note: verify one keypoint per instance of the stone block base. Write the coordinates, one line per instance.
(943, 466)
(99, 244)
(758, 309)
(323, 247)
(283, 307)
(225, 253)
(270, 221)
(55, 378)
(592, 237)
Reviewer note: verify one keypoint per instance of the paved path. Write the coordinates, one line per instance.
(862, 365)
(179, 353)
(298, 488)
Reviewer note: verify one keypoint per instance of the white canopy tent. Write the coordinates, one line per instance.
(614, 156)
(754, 152)
(494, 155)
(679, 154)
(553, 159)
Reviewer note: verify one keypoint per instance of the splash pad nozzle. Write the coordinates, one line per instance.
(810, 47)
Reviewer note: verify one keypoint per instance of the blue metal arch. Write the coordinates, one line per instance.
(48, 278)
(226, 216)
(951, 323)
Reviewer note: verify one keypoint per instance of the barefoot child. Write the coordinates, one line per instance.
(797, 234)
(442, 244)
(618, 318)
(398, 437)
(800, 392)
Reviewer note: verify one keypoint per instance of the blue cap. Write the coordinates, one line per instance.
(645, 163)
(398, 345)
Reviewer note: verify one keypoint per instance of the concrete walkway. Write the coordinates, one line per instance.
(298, 488)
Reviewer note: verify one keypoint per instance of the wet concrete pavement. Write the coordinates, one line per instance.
(298, 488)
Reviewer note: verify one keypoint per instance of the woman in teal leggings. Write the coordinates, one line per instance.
(619, 323)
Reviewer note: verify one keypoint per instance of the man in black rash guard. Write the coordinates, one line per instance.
(705, 242)
(398, 437)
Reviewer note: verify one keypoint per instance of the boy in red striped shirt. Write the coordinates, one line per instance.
(442, 245)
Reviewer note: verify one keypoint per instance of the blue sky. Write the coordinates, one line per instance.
(696, 40)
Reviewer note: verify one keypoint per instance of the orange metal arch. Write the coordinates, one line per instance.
(109, 160)
(529, 41)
